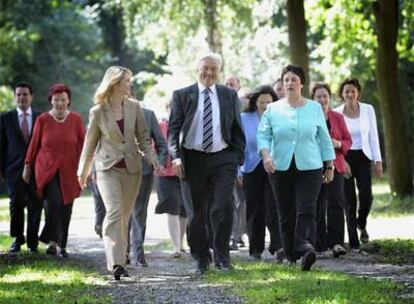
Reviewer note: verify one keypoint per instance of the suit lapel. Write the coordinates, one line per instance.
(112, 126)
(16, 125)
(221, 101)
(193, 94)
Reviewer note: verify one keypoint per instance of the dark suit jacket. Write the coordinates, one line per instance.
(158, 139)
(13, 147)
(184, 106)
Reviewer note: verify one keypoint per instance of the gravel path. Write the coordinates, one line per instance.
(165, 280)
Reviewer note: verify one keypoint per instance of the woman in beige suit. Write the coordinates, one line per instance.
(117, 138)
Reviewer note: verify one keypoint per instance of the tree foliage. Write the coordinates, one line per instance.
(51, 41)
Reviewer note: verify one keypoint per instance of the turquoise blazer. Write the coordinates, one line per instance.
(300, 132)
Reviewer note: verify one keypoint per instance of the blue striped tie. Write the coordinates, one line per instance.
(207, 122)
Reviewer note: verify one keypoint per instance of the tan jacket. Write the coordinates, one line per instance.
(105, 141)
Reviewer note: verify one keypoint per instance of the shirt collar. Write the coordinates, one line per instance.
(20, 112)
(202, 87)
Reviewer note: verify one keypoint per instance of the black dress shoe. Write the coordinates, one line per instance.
(64, 253)
(203, 266)
(118, 271)
(141, 261)
(33, 250)
(51, 250)
(308, 259)
(256, 256)
(233, 245)
(14, 247)
(241, 243)
(280, 255)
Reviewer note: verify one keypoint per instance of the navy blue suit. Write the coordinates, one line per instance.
(13, 152)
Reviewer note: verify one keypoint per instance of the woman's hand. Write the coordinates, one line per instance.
(337, 144)
(269, 165)
(348, 172)
(27, 173)
(178, 169)
(83, 181)
(155, 165)
(378, 169)
(328, 176)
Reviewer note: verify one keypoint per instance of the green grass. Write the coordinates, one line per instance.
(387, 204)
(4, 213)
(38, 279)
(392, 251)
(259, 283)
(165, 245)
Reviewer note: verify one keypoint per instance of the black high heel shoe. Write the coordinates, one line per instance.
(118, 271)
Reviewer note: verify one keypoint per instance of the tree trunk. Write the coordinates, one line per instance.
(297, 37)
(397, 146)
(213, 33)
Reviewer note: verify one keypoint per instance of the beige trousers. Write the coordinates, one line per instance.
(119, 190)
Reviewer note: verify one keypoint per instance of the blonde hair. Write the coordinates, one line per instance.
(113, 75)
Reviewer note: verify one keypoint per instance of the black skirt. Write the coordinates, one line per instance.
(170, 199)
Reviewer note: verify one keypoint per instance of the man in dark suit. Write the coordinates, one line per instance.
(206, 143)
(15, 130)
(139, 214)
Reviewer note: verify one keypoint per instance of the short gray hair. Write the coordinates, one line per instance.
(212, 56)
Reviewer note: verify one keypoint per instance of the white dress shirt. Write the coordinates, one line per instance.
(29, 118)
(194, 139)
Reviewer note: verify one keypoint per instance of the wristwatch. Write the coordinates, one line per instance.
(330, 168)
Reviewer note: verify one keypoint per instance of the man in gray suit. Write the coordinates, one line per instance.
(139, 214)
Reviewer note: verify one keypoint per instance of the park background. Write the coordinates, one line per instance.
(48, 41)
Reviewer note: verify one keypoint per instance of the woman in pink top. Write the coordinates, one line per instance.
(331, 196)
(170, 200)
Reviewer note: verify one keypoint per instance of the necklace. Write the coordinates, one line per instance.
(59, 119)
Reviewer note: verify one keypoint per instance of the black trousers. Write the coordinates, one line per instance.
(57, 215)
(210, 179)
(258, 195)
(21, 196)
(297, 192)
(330, 214)
(272, 219)
(361, 174)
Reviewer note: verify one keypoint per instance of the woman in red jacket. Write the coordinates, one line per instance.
(54, 151)
(331, 197)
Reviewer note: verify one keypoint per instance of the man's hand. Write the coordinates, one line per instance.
(27, 173)
(239, 181)
(83, 181)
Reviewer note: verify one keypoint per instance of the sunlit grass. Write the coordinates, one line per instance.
(39, 279)
(165, 245)
(4, 212)
(259, 282)
(392, 251)
(387, 204)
